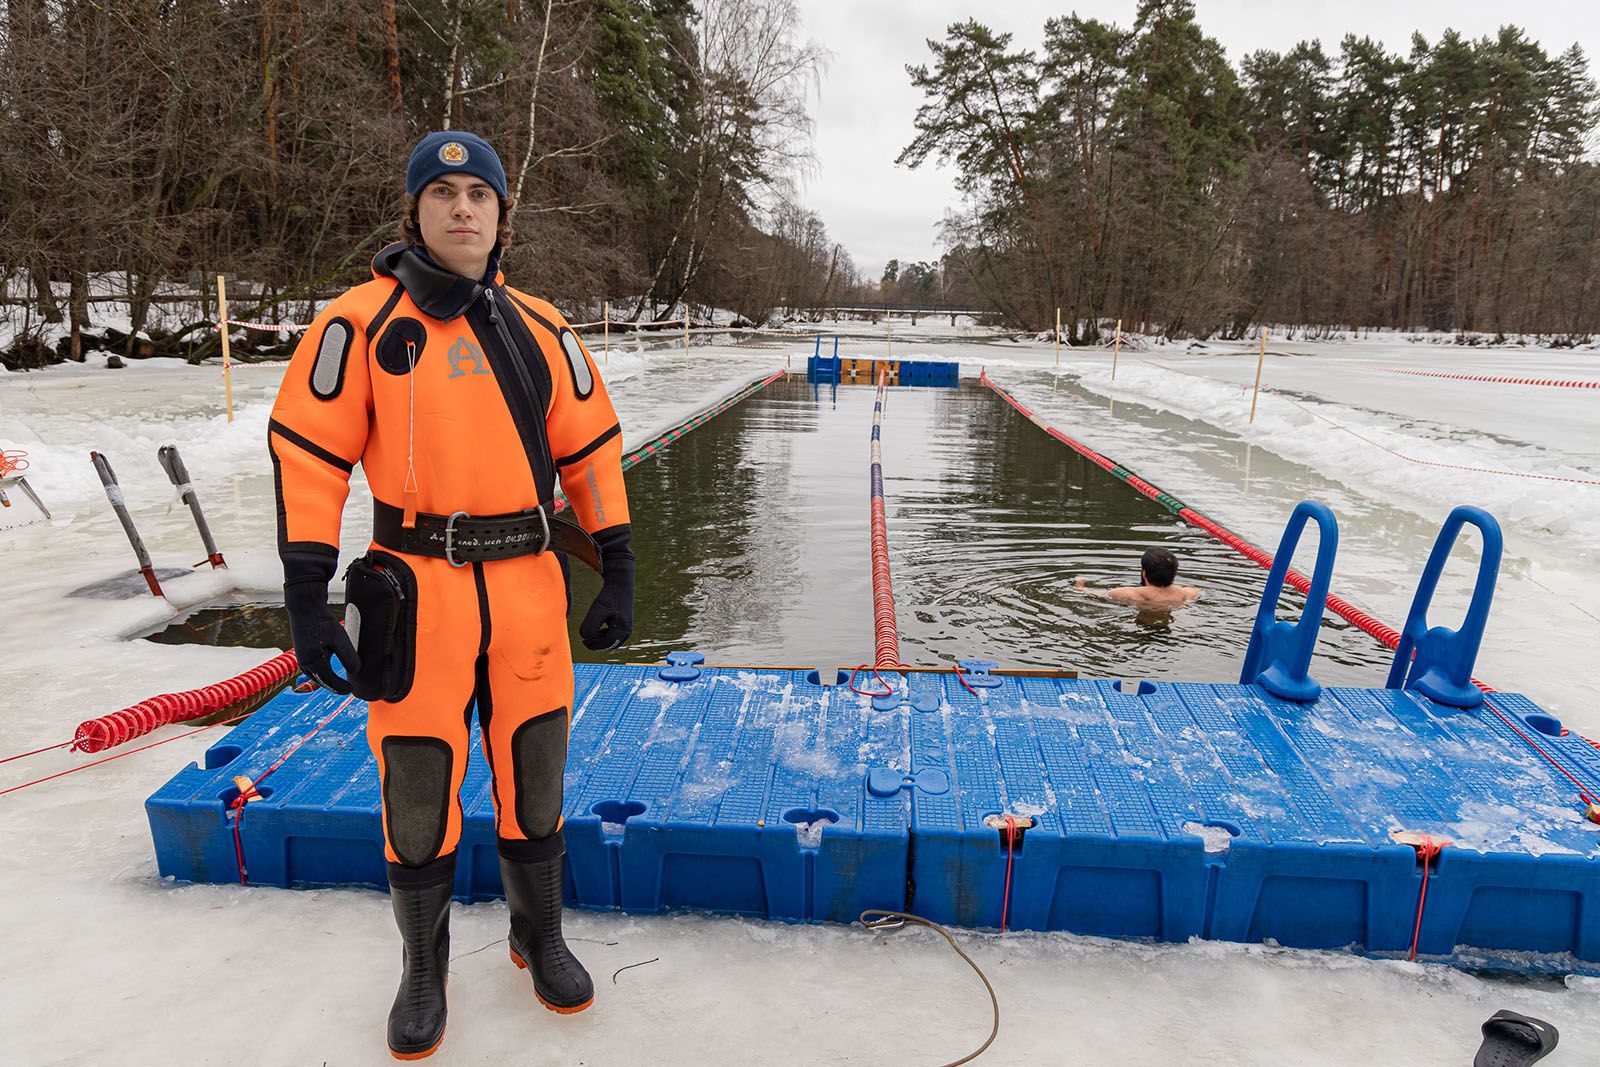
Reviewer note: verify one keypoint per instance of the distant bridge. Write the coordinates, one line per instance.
(877, 310)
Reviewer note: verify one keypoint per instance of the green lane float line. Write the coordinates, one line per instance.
(642, 454)
(639, 455)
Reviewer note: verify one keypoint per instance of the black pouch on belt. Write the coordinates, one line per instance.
(380, 615)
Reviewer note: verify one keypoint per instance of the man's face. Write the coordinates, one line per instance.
(458, 215)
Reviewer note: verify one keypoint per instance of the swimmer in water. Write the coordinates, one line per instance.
(1158, 568)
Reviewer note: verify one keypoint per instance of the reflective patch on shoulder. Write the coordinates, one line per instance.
(327, 374)
(578, 363)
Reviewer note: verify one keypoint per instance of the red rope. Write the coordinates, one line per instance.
(1011, 848)
(12, 461)
(1435, 463)
(888, 690)
(1582, 792)
(1428, 849)
(35, 752)
(247, 795)
(119, 755)
(962, 678)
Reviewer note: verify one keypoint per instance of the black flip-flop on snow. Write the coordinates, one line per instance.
(1512, 1040)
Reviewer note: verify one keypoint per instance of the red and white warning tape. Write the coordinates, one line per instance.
(269, 327)
(1567, 383)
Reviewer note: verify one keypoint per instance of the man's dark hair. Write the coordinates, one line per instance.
(411, 229)
(1160, 566)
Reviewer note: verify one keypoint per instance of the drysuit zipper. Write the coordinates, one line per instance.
(514, 354)
(512, 351)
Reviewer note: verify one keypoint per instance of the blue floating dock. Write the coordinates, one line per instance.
(1168, 812)
(732, 791)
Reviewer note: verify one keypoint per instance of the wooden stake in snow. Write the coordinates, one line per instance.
(686, 327)
(1260, 358)
(607, 318)
(1116, 350)
(1058, 337)
(227, 351)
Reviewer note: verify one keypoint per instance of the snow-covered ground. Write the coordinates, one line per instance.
(104, 964)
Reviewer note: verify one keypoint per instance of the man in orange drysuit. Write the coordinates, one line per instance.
(465, 401)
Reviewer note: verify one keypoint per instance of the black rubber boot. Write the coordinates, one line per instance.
(421, 899)
(532, 872)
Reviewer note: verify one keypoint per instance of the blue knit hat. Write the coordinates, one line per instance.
(453, 152)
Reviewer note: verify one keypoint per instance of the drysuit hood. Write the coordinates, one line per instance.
(439, 293)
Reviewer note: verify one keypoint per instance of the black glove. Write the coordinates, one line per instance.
(609, 622)
(317, 634)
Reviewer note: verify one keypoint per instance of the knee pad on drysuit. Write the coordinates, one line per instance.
(416, 796)
(539, 764)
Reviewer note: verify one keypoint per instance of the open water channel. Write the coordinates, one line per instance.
(752, 537)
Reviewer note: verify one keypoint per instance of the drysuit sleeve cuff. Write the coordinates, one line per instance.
(307, 562)
(615, 544)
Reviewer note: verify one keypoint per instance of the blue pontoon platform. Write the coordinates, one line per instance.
(1151, 810)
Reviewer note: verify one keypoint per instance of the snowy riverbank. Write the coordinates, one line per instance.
(106, 964)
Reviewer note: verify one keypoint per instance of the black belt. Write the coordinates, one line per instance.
(460, 539)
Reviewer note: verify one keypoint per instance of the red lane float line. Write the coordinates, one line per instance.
(1341, 607)
(886, 628)
(1569, 383)
(96, 735)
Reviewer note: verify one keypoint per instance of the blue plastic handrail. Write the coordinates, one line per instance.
(1438, 662)
(1278, 658)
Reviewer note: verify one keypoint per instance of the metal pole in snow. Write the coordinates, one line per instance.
(1058, 337)
(22, 483)
(1116, 350)
(686, 327)
(108, 478)
(608, 332)
(178, 474)
(1260, 359)
(227, 355)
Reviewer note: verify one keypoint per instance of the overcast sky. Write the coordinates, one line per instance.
(879, 211)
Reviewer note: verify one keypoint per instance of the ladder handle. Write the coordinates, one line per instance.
(1416, 624)
(1322, 577)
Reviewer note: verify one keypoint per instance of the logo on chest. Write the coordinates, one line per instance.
(467, 358)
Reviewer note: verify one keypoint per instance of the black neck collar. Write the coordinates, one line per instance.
(438, 293)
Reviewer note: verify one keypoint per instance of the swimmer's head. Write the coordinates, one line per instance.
(1160, 567)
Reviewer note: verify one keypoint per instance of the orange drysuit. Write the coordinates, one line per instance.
(459, 399)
